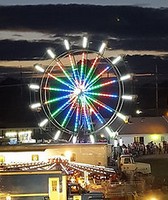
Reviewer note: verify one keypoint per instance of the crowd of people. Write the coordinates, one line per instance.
(138, 149)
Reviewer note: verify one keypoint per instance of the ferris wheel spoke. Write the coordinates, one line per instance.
(57, 99)
(100, 85)
(74, 69)
(101, 94)
(101, 104)
(91, 69)
(77, 119)
(59, 63)
(57, 89)
(86, 118)
(70, 112)
(96, 78)
(64, 106)
(61, 81)
(82, 67)
(95, 111)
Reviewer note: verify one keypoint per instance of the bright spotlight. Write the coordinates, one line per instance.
(85, 42)
(39, 68)
(92, 139)
(57, 135)
(35, 105)
(67, 45)
(116, 60)
(34, 87)
(43, 123)
(102, 47)
(125, 77)
(51, 53)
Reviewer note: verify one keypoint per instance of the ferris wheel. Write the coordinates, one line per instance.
(81, 91)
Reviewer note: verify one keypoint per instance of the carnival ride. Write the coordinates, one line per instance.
(81, 92)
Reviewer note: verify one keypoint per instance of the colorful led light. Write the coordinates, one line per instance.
(79, 98)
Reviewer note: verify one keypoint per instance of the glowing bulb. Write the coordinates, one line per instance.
(57, 135)
(92, 139)
(77, 91)
(110, 132)
(39, 68)
(66, 43)
(102, 47)
(138, 112)
(85, 42)
(74, 139)
(34, 86)
(127, 97)
(35, 105)
(123, 117)
(116, 60)
(127, 76)
(50, 53)
(43, 123)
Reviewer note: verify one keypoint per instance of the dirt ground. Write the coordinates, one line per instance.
(159, 166)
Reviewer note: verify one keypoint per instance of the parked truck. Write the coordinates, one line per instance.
(128, 165)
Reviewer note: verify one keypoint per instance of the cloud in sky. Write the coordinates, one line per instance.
(127, 28)
(27, 31)
(141, 3)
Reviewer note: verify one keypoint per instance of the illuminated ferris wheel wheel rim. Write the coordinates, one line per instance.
(44, 83)
(80, 99)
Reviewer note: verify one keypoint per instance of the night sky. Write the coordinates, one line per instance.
(138, 33)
